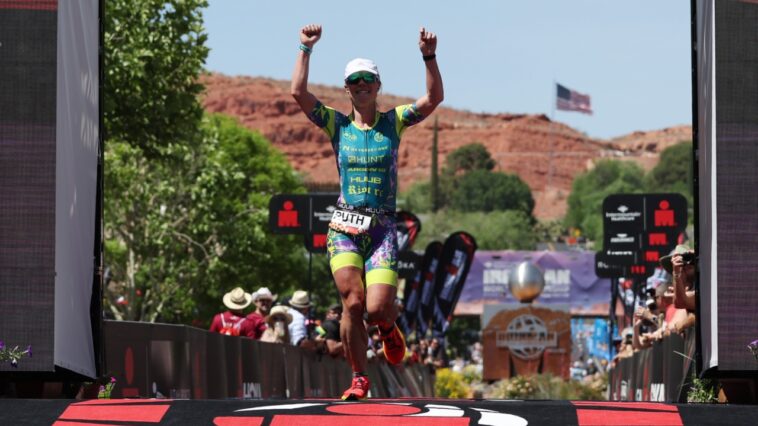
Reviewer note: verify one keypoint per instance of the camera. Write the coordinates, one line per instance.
(689, 258)
(650, 303)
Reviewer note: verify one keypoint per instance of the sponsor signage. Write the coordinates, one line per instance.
(607, 268)
(322, 208)
(623, 213)
(638, 230)
(305, 214)
(288, 213)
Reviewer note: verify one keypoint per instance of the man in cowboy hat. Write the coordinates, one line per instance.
(300, 302)
(233, 321)
(681, 264)
(263, 299)
(278, 320)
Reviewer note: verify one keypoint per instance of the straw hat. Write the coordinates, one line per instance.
(278, 311)
(665, 261)
(237, 299)
(300, 299)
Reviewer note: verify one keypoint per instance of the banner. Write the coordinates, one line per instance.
(423, 301)
(570, 279)
(408, 227)
(590, 338)
(453, 267)
(408, 283)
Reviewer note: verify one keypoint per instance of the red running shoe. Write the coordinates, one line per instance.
(394, 346)
(358, 390)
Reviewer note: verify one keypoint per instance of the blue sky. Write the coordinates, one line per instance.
(632, 58)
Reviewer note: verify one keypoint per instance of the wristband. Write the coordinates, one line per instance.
(429, 57)
(306, 49)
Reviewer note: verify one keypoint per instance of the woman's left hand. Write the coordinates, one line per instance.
(427, 42)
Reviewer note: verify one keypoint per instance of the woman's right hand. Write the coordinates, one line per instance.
(310, 34)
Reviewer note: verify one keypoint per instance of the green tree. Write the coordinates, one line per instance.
(589, 189)
(154, 52)
(496, 230)
(468, 158)
(417, 198)
(483, 190)
(182, 233)
(673, 173)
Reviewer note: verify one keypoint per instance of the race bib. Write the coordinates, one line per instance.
(350, 222)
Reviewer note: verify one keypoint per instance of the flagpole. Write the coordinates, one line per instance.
(552, 131)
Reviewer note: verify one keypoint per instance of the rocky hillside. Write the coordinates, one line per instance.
(546, 155)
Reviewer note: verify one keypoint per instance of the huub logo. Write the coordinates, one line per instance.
(349, 136)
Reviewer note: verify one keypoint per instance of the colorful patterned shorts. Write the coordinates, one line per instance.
(375, 251)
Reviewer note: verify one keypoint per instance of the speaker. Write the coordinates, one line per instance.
(726, 124)
(50, 181)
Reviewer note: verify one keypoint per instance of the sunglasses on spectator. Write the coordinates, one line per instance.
(356, 78)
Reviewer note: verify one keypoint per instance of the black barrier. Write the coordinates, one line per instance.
(658, 373)
(181, 362)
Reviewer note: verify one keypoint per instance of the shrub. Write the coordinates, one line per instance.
(449, 384)
(547, 386)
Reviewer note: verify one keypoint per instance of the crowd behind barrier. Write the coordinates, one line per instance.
(658, 373)
(176, 361)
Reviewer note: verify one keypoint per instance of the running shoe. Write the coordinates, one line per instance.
(358, 390)
(394, 346)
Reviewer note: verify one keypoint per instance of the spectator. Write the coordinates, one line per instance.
(331, 327)
(423, 348)
(577, 370)
(263, 299)
(476, 353)
(233, 321)
(300, 302)
(648, 322)
(681, 264)
(374, 347)
(437, 357)
(414, 353)
(278, 321)
(625, 346)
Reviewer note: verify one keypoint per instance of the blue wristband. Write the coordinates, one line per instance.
(306, 49)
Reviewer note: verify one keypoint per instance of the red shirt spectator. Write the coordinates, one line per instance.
(232, 324)
(263, 299)
(233, 321)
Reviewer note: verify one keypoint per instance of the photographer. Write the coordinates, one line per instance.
(647, 322)
(681, 264)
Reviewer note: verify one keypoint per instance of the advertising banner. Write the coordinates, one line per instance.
(408, 227)
(423, 300)
(455, 262)
(408, 283)
(570, 279)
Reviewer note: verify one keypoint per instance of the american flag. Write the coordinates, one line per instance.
(570, 100)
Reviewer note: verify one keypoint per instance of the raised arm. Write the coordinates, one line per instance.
(309, 35)
(426, 104)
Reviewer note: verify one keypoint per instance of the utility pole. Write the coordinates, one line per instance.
(435, 176)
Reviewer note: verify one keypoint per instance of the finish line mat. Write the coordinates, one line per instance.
(412, 412)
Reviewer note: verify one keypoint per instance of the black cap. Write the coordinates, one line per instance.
(337, 307)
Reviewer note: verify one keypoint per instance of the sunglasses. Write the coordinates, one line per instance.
(357, 77)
